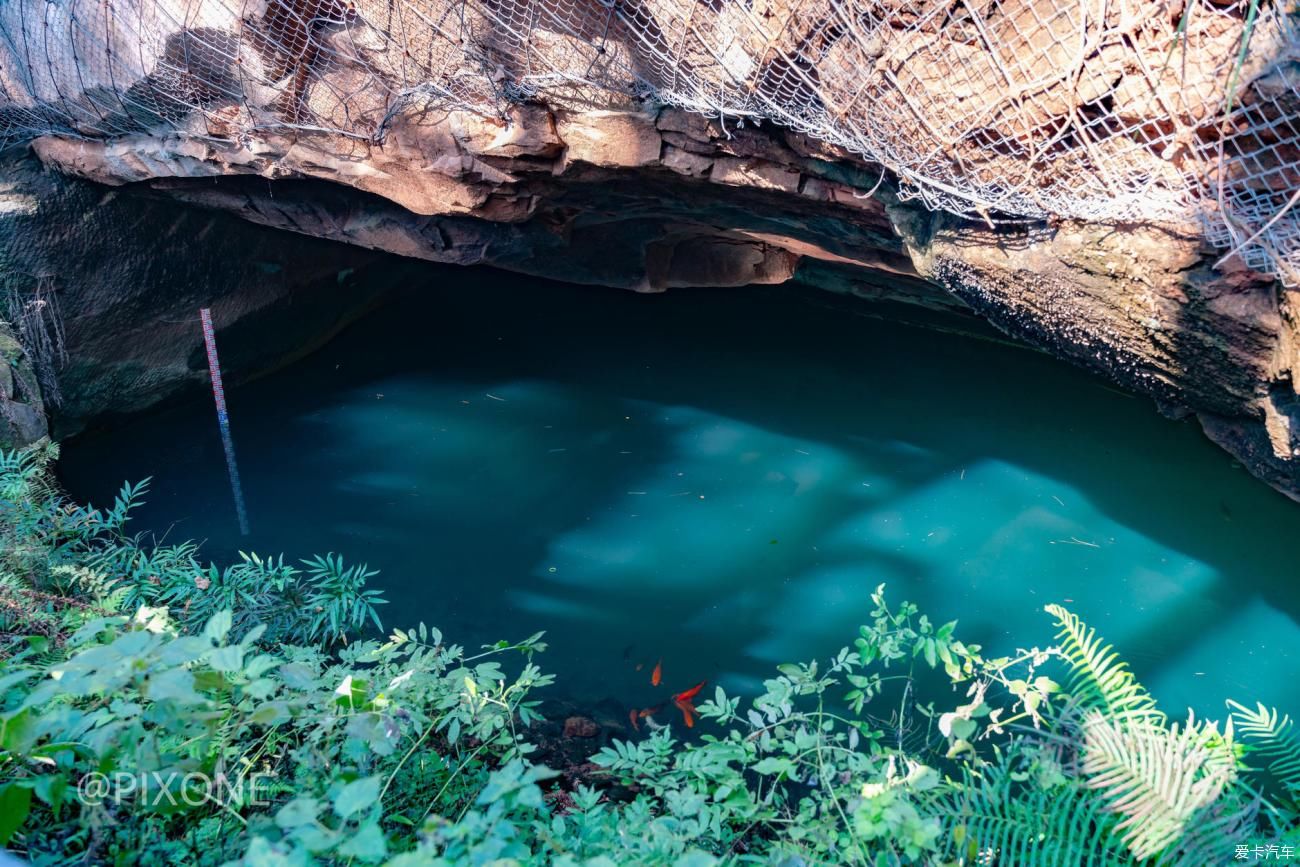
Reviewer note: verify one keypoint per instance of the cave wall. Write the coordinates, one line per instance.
(128, 274)
(649, 198)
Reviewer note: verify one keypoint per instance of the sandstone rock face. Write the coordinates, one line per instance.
(1144, 307)
(650, 198)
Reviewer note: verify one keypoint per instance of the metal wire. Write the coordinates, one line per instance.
(1133, 110)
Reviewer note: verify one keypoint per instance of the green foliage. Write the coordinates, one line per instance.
(54, 546)
(327, 747)
(1158, 779)
(1099, 679)
(1272, 738)
(1010, 809)
(143, 702)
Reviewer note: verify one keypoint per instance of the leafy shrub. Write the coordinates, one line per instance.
(414, 751)
(53, 545)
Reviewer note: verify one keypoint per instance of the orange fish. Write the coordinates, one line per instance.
(651, 711)
(688, 712)
(690, 693)
(657, 675)
(632, 715)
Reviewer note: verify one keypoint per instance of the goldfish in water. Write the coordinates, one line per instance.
(690, 693)
(688, 711)
(646, 714)
(657, 676)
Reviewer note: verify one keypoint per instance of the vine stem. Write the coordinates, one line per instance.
(392, 776)
(453, 776)
(821, 774)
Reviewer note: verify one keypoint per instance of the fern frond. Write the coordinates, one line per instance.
(1065, 826)
(1272, 737)
(1098, 678)
(85, 582)
(116, 599)
(1212, 834)
(1156, 778)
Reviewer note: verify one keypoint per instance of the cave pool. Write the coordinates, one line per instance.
(721, 478)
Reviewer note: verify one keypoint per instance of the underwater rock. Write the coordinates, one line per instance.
(580, 727)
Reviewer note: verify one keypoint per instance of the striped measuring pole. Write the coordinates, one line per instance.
(223, 419)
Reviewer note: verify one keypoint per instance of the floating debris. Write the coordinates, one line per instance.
(1073, 541)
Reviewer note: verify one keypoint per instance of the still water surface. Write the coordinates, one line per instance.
(720, 479)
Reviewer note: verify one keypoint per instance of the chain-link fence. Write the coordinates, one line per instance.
(1115, 110)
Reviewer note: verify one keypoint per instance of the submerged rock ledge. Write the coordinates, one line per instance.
(648, 198)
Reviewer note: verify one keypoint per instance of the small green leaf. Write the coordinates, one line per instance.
(15, 804)
(773, 765)
(219, 626)
(19, 731)
(229, 658)
(368, 844)
(50, 788)
(299, 811)
(356, 796)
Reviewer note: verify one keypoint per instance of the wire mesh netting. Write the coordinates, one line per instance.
(1133, 110)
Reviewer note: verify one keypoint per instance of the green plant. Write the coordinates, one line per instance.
(1271, 736)
(908, 747)
(52, 545)
(1099, 679)
(1158, 780)
(337, 598)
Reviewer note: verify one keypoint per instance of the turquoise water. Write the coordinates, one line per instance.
(720, 478)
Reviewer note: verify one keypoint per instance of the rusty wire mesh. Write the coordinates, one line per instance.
(1134, 110)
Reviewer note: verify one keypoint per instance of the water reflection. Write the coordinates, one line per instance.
(721, 479)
